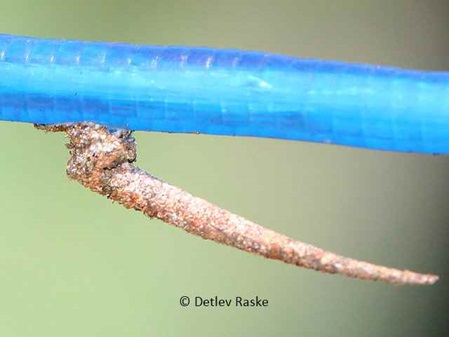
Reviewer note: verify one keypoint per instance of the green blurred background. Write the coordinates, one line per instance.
(74, 264)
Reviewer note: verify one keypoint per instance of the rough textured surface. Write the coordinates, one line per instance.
(102, 161)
